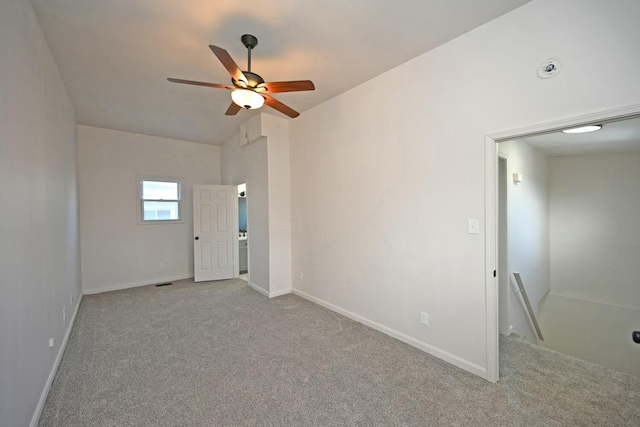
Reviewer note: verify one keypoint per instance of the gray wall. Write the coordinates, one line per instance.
(357, 158)
(39, 243)
(264, 165)
(117, 252)
(248, 164)
(594, 303)
(595, 228)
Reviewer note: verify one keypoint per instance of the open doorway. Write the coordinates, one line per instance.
(565, 208)
(243, 234)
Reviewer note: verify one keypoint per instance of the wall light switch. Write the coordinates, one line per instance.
(474, 226)
(51, 342)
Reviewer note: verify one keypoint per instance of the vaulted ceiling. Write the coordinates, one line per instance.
(115, 56)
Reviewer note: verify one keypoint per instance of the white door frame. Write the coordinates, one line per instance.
(236, 240)
(503, 245)
(491, 209)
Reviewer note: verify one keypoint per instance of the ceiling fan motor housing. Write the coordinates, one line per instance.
(253, 80)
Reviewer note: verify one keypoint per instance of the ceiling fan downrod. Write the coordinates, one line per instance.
(249, 42)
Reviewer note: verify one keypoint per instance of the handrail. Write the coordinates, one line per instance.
(528, 304)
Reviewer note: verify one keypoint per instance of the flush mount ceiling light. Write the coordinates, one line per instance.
(583, 129)
(247, 99)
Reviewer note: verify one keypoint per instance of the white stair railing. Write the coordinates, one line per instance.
(528, 304)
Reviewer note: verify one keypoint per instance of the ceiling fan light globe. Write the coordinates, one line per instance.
(247, 99)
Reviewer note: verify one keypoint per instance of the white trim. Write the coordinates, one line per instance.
(135, 285)
(259, 289)
(279, 293)
(491, 260)
(491, 208)
(267, 293)
(35, 419)
(592, 301)
(598, 117)
(236, 238)
(441, 354)
(236, 225)
(140, 201)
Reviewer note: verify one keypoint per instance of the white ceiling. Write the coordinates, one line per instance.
(115, 55)
(614, 137)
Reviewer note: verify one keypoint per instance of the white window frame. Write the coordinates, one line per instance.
(140, 200)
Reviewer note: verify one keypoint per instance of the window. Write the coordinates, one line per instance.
(160, 200)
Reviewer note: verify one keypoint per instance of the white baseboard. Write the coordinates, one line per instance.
(441, 354)
(267, 293)
(278, 293)
(135, 285)
(54, 369)
(258, 288)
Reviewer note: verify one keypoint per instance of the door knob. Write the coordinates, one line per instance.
(197, 237)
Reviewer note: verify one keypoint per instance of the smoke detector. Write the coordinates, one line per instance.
(549, 68)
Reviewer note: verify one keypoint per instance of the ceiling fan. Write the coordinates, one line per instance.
(249, 90)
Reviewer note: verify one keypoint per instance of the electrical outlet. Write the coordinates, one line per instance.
(162, 266)
(424, 318)
(64, 314)
(51, 342)
(301, 275)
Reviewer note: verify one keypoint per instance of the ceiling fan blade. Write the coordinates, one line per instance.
(233, 109)
(228, 63)
(191, 82)
(292, 86)
(277, 105)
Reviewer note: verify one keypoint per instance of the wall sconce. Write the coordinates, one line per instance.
(517, 178)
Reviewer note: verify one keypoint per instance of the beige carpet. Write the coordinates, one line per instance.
(221, 354)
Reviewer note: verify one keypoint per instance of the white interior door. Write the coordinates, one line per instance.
(214, 210)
